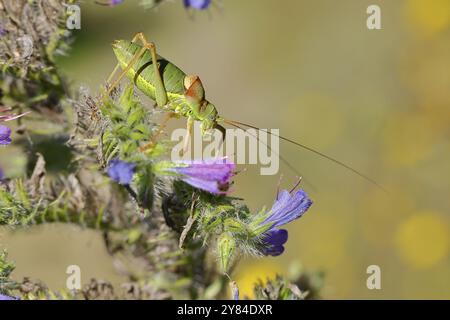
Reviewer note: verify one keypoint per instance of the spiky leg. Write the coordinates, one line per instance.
(113, 73)
(124, 71)
(187, 137)
(161, 93)
(161, 127)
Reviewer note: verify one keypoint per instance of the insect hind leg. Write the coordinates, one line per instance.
(124, 71)
(161, 93)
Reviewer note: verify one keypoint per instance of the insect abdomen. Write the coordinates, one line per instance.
(172, 75)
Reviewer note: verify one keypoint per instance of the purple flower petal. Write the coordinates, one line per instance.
(5, 135)
(212, 176)
(288, 208)
(274, 241)
(4, 298)
(214, 187)
(120, 171)
(197, 4)
(212, 170)
(285, 209)
(110, 2)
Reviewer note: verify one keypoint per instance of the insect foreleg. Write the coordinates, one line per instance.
(223, 131)
(187, 137)
(160, 129)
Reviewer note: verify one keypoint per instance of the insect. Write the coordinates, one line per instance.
(181, 94)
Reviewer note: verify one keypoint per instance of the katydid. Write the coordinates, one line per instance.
(180, 94)
(162, 81)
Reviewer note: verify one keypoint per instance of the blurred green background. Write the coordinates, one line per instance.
(376, 99)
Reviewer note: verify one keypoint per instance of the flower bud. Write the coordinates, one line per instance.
(226, 246)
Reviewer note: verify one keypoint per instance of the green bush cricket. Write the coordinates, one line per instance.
(180, 94)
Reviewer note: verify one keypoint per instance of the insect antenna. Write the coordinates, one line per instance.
(287, 163)
(340, 163)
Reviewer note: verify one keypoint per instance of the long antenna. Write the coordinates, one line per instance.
(233, 122)
(287, 163)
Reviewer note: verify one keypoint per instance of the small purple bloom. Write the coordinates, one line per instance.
(274, 241)
(120, 171)
(5, 135)
(110, 3)
(212, 176)
(286, 208)
(197, 4)
(5, 132)
(234, 291)
(4, 298)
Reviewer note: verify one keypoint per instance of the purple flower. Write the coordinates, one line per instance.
(5, 132)
(4, 298)
(234, 291)
(2, 175)
(120, 171)
(274, 241)
(212, 176)
(110, 3)
(5, 135)
(286, 208)
(197, 4)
